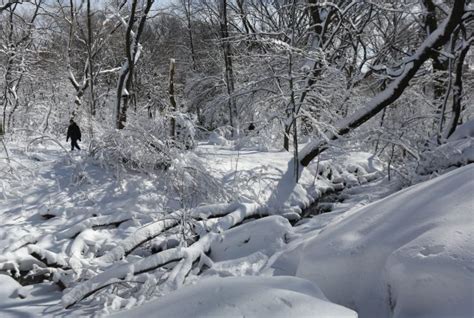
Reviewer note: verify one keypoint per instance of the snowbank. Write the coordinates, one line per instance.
(458, 150)
(465, 130)
(243, 297)
(408, 255)
(39, 300)
(262, 235)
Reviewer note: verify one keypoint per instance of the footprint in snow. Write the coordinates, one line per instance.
(432, 250)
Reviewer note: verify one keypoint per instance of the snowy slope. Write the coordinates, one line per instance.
(71, 212)
(251, 297)
(408, 255)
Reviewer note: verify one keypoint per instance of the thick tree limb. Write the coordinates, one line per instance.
(186, 256)
(394, 90)
(49, 258)
(94, 222)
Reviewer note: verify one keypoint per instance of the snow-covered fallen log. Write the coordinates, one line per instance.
(253, 297)
(186, 256)
(241, 212)
(103, 220)
(22, 242)
(213, 210)
(49, 258)
(118, 274)
(139, 237)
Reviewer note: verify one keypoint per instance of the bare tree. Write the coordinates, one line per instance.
(132, 52)
(17, 42)
(394, 89)
(228, 68)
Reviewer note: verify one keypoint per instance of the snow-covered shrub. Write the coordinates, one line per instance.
(191, 181)
(263, 136)
(457, 151)
(141, 146)
(216, 139)
(133, 150)
(145, 146)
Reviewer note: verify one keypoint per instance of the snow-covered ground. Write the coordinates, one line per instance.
(408, 255)
(244, 297)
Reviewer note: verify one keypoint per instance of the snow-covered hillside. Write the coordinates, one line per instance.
(233, 158)
(406, 255)
(244, 297)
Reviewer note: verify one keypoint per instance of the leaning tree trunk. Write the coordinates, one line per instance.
(394, 90)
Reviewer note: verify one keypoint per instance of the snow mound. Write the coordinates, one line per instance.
(264, 235)
(9, 287)
(216, 139)
(466, 130)
(243, 297)
(408, 255)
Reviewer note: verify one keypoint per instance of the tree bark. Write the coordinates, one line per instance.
(229, 71)
(132, 43)
(172, 98)
(89, 53)
(457, 88)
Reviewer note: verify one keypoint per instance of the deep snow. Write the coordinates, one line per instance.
(251, 297)
(408, 255)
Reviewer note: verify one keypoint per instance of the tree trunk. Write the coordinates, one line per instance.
(229, 71)
(132, 47)
(89, 53)
(172, 98)
(440, 67)
(393, 91)
(457, 88)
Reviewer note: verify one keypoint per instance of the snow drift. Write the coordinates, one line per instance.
(408, 255)
(243, 297)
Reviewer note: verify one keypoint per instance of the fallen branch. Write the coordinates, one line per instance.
(139, 237)
(95, 222)
(185, 256)
(50, 259)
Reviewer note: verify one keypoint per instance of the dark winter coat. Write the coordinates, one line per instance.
(73, 132)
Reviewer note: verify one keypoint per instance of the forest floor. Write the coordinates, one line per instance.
(374, 258)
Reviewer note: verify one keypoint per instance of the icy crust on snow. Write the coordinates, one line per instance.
(243, 297)
(408, 255)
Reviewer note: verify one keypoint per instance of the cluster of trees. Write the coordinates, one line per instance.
(291, 69)
(136, 74)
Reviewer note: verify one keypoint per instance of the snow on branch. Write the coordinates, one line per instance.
(49, 258)
(186, 256)
(395, 89)
(139, 237)
(118, 274)
(94, 222)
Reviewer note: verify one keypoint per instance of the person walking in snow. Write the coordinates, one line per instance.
(74, 133)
